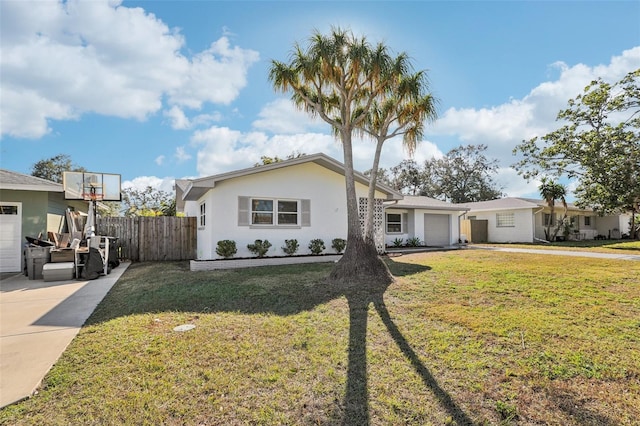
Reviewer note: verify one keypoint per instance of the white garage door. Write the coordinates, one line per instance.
(436, 229)
(10, 236)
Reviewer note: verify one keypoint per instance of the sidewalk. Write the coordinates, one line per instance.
(620, 256)
(38, 320)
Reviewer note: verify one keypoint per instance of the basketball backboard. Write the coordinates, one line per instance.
(91, 186)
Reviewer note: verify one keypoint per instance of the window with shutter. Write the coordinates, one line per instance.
(243, 211)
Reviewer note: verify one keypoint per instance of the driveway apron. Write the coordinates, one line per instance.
(620, 256)
(38, 320)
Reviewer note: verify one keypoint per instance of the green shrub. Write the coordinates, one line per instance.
(398, 242)
(259, 247)
(290, 247)
(316, 246)
(413, 242)
(338, 244)
(226, 248)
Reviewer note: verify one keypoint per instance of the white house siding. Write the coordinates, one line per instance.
(308, 181)
(613, 226)
(521, 232)
(414, 226)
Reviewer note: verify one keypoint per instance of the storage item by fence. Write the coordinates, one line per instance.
(62, 255)
(36, 258)
(61, 271)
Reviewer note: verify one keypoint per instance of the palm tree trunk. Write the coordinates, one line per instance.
(360, 265)
(369, 236)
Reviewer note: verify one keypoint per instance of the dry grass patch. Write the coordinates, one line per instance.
(460, 337)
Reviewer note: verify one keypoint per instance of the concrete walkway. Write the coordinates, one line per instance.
(621, 256)
(38, 320)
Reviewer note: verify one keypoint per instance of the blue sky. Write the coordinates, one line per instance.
(158, 90)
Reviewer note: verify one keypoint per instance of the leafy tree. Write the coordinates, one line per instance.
(52, 168)
(109, 208)
(265, 159)
(551, 191)
(406, 177)
(599, 145)
(381, 177)
(148, 202)
(463, 175)
(339, 78)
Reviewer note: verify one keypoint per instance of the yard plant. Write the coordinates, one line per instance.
(463, 337)
(290, 247)
(259, 247)
(226, 248)
(316, 246)
(338, 244)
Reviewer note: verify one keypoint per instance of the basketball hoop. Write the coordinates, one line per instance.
(94, 194)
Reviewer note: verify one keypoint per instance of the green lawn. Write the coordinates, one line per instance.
(461, 337)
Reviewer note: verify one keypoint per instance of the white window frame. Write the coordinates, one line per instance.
(202, 219)
(505, 220)
(275, 212)
(587, 221)
(546, 218)
(399, 222)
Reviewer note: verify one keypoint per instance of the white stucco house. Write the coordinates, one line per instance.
(433, 222)
(514, 219)
(304, 199)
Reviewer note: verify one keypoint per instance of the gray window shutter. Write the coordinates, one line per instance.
(405, 223)
(243, 211)
(305, 219)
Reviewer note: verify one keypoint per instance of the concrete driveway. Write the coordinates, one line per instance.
(620, 256)
(38, 320)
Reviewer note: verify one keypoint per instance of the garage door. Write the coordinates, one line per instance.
(10, 236)
(436, 230)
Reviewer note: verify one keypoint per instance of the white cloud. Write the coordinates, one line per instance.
(182, 155)
(142, 182)
(62, 59)
(514, 185)
(281, 116)
(177, 118)
(159, 160)
(221, 149)
(215, 75)
(504, 126)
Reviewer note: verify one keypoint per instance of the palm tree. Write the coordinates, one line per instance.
(338, 78)
(550, 192)
(402, 110)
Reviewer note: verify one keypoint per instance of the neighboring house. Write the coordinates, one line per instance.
(29, 206)
(513, 219)
(303, 198)
(433, 222)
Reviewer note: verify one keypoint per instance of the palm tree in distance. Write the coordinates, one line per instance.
(339, 77)
(550, 192)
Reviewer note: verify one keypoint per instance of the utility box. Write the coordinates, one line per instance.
(36, 258)
(61, 271)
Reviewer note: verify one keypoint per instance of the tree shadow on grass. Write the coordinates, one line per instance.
(282, 291)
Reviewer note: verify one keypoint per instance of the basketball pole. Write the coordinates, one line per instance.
(95, 210)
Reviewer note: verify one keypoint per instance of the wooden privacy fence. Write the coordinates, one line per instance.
(152, 238)
(476, 231)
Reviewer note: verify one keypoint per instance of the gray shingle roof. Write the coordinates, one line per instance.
(22, 182)
(514, 203)
(420, 202)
